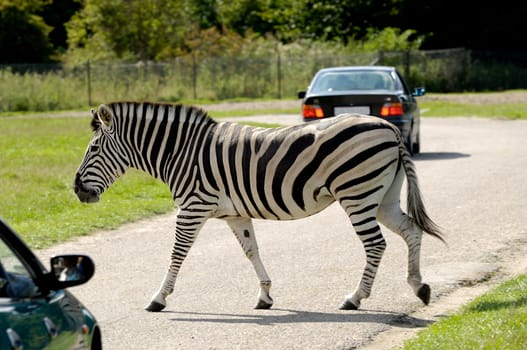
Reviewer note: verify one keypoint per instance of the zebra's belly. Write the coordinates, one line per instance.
(270, 210)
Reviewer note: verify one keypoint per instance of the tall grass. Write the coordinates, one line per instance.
(53, 90)
(265, 74)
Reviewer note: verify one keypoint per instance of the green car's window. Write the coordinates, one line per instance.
(15, 279)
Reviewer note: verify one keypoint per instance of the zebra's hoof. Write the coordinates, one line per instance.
(348, 305)
(424, 293)
(155, 307)
(263, 305)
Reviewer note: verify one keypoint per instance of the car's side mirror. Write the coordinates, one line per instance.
(71, 270)
(301, 94)
(419, 91)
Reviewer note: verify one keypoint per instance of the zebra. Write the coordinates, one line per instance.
(237, 172)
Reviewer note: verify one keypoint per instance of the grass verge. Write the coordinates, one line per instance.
(454, 109)
(38, 162)
(495, 320)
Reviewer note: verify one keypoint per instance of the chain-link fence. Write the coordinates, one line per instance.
(50, 87)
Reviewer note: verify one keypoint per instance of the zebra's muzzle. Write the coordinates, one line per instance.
(85, 194)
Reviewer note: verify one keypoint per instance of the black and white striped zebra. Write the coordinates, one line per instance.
(237, 172)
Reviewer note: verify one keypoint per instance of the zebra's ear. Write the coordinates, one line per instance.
(105, 115)
(95, 121)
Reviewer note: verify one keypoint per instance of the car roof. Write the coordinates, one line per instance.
(358, 68)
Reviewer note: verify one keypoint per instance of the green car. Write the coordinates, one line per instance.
(36, 310)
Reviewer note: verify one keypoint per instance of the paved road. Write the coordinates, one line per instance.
(472, 173)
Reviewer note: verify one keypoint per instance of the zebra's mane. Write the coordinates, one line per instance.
(199, 115)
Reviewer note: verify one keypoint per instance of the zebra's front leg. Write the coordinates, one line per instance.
(188, 225)
(244, 232)
(374, 246)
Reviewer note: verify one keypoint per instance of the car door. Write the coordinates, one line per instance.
(30, 319)
(409, 104)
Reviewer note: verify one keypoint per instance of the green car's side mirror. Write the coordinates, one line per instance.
(71, 270)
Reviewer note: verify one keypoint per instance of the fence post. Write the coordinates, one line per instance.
(279, 74)
(194, 75)
(88, 76)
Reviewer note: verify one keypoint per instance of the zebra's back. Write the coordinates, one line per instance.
(294, 172)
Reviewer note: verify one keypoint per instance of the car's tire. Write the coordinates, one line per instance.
(416, 147)
(409, 144)
(96, 343)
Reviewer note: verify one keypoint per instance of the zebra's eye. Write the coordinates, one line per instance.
(94, 148)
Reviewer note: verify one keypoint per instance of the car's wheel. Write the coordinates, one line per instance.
(409, 144)
(96, 343)
(416, 147)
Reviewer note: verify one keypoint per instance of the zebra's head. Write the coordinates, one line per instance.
(104, 160)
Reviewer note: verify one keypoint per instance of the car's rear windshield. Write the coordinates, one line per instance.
(355, 80)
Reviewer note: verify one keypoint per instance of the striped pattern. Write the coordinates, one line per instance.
(238, 172)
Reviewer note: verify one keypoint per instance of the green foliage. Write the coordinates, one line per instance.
(391, 39)
(162, 29)
(495, 320)
(139, 30)
(23, 33)
(156, 30)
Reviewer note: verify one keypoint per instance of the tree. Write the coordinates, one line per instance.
(475, 25)
(329, 20)
(23, 33)
(55, 14)
(391, 39)
(205, 14)
(128, 29)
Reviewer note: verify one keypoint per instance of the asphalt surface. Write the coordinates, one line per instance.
(473, 178)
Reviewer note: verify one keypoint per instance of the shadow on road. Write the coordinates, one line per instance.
(297, 316)
(439, 156)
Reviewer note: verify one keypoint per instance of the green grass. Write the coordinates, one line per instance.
(452, 109)
(38, 160)
(495, 320)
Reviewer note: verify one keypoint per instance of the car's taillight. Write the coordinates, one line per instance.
(390, 109)
(312, 111)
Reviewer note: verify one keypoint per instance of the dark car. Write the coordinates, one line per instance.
(36, 311)
(373, 90)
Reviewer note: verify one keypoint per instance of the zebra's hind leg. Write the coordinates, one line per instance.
(244, 232)
(188, 225)
(391, 215)
(369, 232)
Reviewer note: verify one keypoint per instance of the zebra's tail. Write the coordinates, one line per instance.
(415, 205)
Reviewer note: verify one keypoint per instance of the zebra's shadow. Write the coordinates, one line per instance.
(288, 316)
